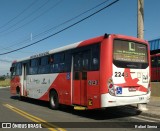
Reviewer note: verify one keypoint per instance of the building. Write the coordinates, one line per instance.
(155, 46)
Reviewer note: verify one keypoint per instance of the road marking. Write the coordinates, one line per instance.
(34, 118)
(142, 119)
(156, 119)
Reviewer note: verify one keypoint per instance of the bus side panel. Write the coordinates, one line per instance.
(62, 85)
(15, 82)
(158, 73)
(153, 74)
(105, 64)
(93, 90)
(155, 67)
(77, 92)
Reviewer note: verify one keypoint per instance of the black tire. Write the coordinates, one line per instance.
(19, 94)
(53, 100)
(21, 98)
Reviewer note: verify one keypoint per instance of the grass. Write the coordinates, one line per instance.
(5, 82)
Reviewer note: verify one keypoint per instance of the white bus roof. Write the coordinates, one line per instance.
(67, 47)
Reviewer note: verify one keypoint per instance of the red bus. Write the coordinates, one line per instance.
(106, 71)
(155, 67)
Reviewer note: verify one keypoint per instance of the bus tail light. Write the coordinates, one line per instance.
(111, 87)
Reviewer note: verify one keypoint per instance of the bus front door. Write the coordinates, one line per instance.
(80, 67)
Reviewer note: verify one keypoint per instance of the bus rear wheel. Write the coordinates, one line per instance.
(53, 100)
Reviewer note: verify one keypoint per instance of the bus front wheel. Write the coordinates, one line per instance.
(53, 100)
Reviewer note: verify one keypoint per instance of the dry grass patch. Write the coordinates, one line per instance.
(5, 82)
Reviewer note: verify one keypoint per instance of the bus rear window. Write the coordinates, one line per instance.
(129, 53)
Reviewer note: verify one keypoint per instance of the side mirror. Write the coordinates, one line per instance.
(11, 69)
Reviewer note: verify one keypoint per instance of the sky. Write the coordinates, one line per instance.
(23, 22)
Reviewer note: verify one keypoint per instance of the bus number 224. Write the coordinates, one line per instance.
(120, 74)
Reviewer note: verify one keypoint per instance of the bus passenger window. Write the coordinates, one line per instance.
(34, 66)
(95, 61)
(18, 69)
(13, 70)
(58, 62)
(44, 65)
(154, 61)
(86, 60)
(95, 57)
(158, 61)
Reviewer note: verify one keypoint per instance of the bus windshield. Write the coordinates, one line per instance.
(129, 54)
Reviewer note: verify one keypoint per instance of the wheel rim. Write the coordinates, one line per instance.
(52, 101)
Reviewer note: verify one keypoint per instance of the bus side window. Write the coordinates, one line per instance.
(18, 69)
(13, 70)
(27, 67)
(95, 57)
(158, 61)
(44, 65)
(68, 61)
(34, 66)
(86, 60)
(77, 62)
(58, 64)
(154, 61)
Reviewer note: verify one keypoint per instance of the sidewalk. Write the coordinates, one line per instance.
(153, 108)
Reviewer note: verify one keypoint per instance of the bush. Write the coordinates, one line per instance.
(2, 78)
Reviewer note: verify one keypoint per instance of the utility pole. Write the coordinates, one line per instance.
(140, 34)
(140, 19)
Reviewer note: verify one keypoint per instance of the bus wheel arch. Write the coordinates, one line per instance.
(53, 99)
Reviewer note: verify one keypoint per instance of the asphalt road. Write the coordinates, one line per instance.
(29, 112)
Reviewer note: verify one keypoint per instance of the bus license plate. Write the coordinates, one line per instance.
(131, 89)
